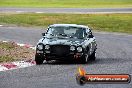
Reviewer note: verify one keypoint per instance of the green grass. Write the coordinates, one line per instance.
(6, 46)
(6, 59)
(100, 22)
(9, 51)
(66, 3)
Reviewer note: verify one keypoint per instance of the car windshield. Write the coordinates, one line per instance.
(73, 32)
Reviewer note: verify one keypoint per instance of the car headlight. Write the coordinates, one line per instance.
(40, 47)
(72, 48)
(79, 49)
(47, 47)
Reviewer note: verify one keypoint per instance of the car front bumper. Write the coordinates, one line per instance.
(71, 56)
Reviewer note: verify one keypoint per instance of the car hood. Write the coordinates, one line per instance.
(66, 41)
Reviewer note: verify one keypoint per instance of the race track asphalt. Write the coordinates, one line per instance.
(114, 55)
(66, 10)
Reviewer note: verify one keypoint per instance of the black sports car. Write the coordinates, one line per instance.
(66, 42)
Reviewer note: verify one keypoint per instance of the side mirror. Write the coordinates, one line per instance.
(91, 36)
(43, 34)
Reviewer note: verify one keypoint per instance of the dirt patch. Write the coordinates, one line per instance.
(9, 51)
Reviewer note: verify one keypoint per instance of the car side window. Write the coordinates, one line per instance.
(89, 33)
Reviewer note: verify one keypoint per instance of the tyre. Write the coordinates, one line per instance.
(93, 56)
(39, 59)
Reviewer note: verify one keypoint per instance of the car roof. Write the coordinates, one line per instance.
(67, 25)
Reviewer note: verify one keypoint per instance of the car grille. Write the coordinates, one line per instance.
(60, 50)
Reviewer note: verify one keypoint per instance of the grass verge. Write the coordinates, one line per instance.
(6, 59)
(101, 22)
(66, 3)
(11, 52)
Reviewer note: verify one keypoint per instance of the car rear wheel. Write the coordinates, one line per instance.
(39, 59)
(93, 56)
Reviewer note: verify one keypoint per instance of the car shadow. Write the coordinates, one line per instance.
(97, 61)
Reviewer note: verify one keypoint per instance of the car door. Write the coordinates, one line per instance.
(92, 41)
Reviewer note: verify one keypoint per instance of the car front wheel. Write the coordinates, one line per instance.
(93, 56)
(39, 59)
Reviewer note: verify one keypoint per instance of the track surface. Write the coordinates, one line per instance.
(67, 10)
(114, 55)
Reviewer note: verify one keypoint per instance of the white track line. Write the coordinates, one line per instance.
(2, 68)
(15, 65)
(39, 12)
